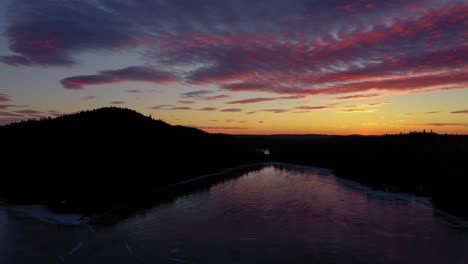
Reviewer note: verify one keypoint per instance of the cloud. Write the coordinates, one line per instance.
(378, 104)
(197, 94)
(298, 47)
(312, 107)
(29, 112)
(263, 99)
(215, 97)
(292, 110)
(53, 33)
(128, 74)
(5, 98)
(15, 60)
(208, 109)
(221, 127)
(181, 108)
(136, 91)
(206, 95)
(460, 112)
(6, 106)
(186, 102)
(118, 102)
(54, 113)
(158, 107)
(10, 114)
(232, 110)
(358, 110)
(252, 100)
(276, 111)
(357, 96)
(445, 124)
(90, 97)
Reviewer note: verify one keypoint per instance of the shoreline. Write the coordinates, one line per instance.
(42, 213)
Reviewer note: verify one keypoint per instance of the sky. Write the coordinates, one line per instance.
(241, 66)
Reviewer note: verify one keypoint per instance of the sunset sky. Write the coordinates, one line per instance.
(241, 66)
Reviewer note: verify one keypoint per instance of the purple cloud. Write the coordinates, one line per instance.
(263, 99)
(232, 110)
(6, 106)
(206, 95)
(181, 108)
(208, 109)
(52, 33)
(9, 114)
(128, 74)
(186, 102)
(29, 112)
(158, 107)
(136, 91)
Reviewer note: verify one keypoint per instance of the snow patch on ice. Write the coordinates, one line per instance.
(75, 249)
(41, 213)
(177, 260)
(378, 194)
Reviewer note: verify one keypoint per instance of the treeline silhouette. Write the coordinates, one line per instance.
(91, 160)
(422, 163)
(87, 160)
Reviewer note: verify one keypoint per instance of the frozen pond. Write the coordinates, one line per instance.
(275, 214)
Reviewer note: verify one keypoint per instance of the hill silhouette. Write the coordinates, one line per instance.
(92, 158)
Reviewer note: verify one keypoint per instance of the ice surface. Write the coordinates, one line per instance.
(41, 213)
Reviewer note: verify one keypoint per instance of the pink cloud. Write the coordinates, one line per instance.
(5, 98)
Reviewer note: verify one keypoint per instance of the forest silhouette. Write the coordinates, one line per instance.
(87, 161)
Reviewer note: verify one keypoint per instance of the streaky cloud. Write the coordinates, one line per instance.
(460, 112)
(5, 98)
(232, 110)
(128, 74)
